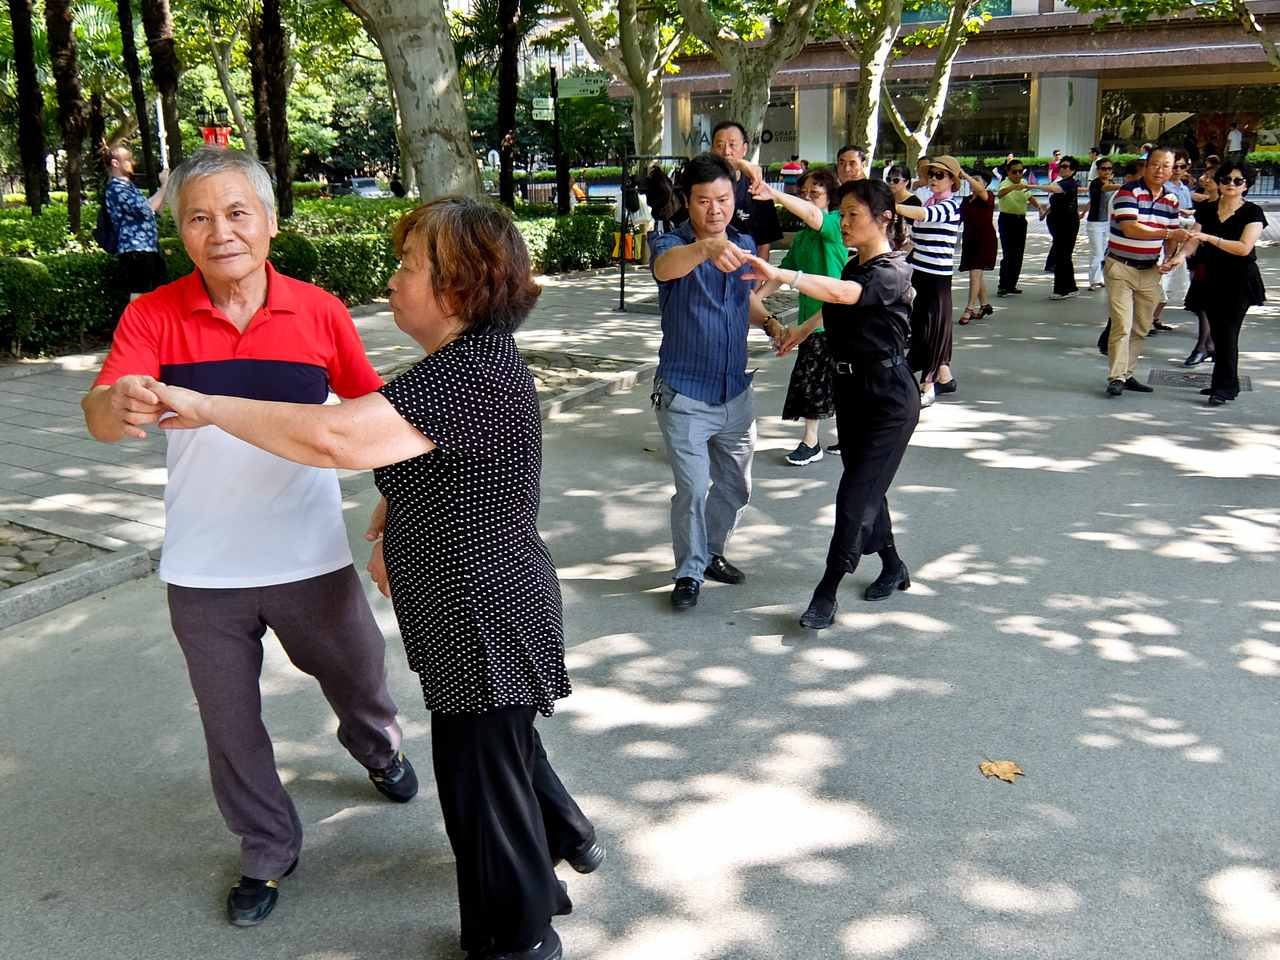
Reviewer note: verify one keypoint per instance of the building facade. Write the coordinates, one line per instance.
(1039, 76)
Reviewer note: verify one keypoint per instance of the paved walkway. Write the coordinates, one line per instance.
(1094, 597)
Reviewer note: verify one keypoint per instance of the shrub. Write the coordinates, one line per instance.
(535, 233)
(88, 297)
(294, 255)
(26, 298)
(578, 243)
(349, 215)
(175, 257)
(24, 235)
(354, 267)
(308, 189)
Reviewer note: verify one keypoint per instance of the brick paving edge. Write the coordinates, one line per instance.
(123, 562)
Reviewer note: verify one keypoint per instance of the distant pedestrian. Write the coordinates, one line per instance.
(1144, 217)
(1207, 184)
(851, 163)
(977, 245)
(1014, 195)
(1227, 263)
(1095, 154)
(1235, 142)
(760, 220)
(702, 390)
(1098, 219)
(898, 177)
(817, 249)
(1054, 163)
(1063, 220)
(937, 228)
(396, 186)
(920, 186)
(791, 172)
(133, 219)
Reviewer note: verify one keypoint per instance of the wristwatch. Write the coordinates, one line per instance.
(794, 284)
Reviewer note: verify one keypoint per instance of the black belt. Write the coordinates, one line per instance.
(888, 362)
(1136, 264)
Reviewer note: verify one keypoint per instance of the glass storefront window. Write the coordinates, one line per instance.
(777, 141)
(1196, 119)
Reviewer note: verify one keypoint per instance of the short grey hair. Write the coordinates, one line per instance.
(210, 161)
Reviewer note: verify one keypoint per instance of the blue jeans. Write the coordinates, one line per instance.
(710, 447)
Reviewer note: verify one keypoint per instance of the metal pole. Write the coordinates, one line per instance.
(562, 169)
(164, 149)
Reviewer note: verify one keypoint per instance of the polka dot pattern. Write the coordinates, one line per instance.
(473, 585)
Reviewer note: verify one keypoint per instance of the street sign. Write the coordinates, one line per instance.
(542, 103)
(583, 86)
(547, 114)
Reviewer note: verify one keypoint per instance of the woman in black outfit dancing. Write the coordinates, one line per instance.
(868, 324)
(1226, 281)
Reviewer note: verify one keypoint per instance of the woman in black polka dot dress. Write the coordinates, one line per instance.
(456, 447)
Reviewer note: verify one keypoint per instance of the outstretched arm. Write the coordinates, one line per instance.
(809, 214)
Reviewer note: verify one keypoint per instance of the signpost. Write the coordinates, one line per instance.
(562, 165)
(571, 87)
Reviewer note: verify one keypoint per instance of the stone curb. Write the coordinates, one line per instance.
(622, 380)
(125, 561)
(75, 362)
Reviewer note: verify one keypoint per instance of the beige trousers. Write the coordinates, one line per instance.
(1132, 298)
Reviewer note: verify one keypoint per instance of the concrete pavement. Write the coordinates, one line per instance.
(1094, 597)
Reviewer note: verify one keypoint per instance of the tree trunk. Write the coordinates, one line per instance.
(148, 165)
(30, 107)
(158, 24)
(407, 175)
(873, 52)
(416, 46)
(635, 54)
(275, 46)
(751, 66)
(508, 90)
(221, 52)
(258, 81)
(97, 139)
(953, 38)
(66, 76)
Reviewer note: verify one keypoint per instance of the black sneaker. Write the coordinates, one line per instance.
(803, 454)
(586, 858)
(833, 448)
(548, 948)
(1115, 388)
(397, 782)
(1137, 386)
(252, 900)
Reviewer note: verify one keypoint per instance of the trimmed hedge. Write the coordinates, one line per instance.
(88, 299)
(354, 267)
(26, 298)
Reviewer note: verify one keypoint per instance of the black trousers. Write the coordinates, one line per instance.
(1013, 244)
(509, 818)
(877, 410)
(1059, 261)
(1226, 316)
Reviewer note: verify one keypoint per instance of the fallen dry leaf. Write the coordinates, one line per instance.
(1006, 770)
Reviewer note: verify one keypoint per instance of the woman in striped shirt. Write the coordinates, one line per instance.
(937, 227)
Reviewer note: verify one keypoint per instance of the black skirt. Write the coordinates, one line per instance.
(809, 394)
(930, 323)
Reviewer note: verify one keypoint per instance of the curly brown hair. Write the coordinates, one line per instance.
(479, 262)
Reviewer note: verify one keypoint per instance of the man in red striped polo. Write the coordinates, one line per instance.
(1144, 219)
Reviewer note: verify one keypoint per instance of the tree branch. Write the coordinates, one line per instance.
(1259, 31)
(703, 25)
(605, 56)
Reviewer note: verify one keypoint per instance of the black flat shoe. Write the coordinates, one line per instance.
(1217, 401)
(882, 587)
(252, 900)
(1196, 357)
(987, 310)
(951, 386)
(586, 858)
(685, 595)
(1137, 386)
(721, 569)
(814, 619)
(548, 948)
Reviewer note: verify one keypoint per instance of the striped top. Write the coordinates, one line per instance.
(1134, 202)
(935, 238)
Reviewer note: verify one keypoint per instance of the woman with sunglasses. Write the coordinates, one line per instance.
(937, 227)
(899, 181)
(1227, 279)
(1013, 197)
(1063, 220)
(1098, 219)
(818, 248)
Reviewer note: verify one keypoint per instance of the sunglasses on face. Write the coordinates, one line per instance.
(1234, 181)
(938, 175)
(897, 179)
(1181, 166)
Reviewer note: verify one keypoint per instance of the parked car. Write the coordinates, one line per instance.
(358, 187)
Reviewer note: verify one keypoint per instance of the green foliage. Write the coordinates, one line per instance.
(26, 298)
(589, 174)
(25, 236)
(578, 242)
(89, 298)
(317, 218)
(308, 190)
(175, 257)
(294, 255)
(354, 267)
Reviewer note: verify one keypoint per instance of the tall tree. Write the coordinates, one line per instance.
(867, 30)
(751, 63)
(30, 106)
(157, 21)
(510, 13)
(1267, 34)
(635, 43)
(66, 77)
(149, 166)
(275, 44)
(413, 36)
(258, 84)
(948, 39)
(220, 46)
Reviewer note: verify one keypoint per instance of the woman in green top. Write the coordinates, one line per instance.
(818, 249)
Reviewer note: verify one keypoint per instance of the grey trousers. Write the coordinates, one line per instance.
(710, 447)
(327, 630)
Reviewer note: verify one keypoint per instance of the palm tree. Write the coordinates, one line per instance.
(157, 21)
(275, 44)
(66, 77)
(30, 105)
(129, 52)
